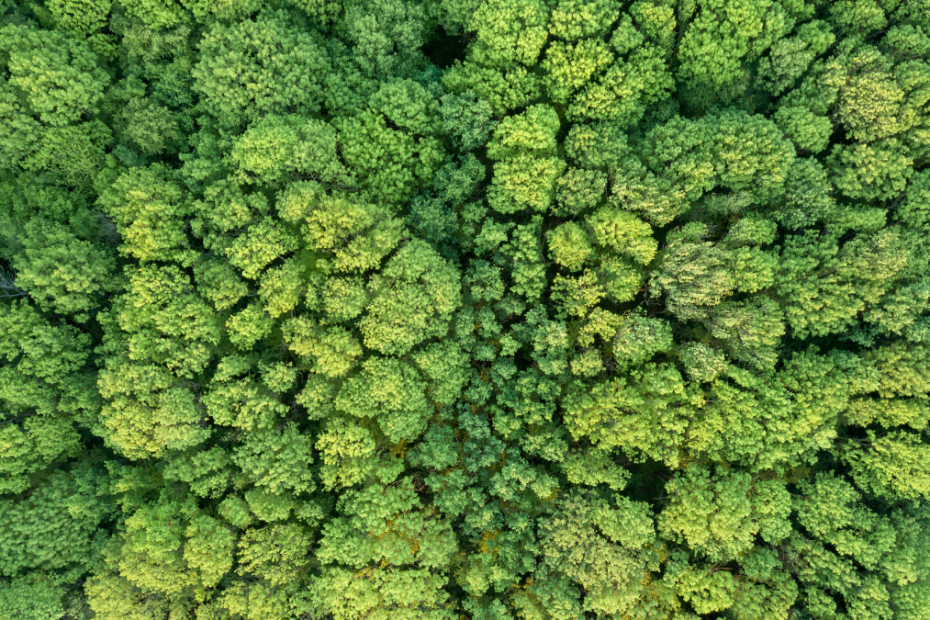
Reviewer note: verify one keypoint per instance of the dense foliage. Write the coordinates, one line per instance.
(478, 309)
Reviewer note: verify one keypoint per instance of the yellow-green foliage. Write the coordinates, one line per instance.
(464, 310)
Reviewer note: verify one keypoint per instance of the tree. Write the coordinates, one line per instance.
(790, 57)
(507, 33)
(149, 209)
(723, 34)
(284, 64)
(50, 529)
(348, 234)
(46, 386)
(853, 276)
(58, 76)
(62, 272)
(79, 16)
(626, 89)
(526, 175)
(808, 131)
(468, 119)
(403, 163)
(604, 546)
(870, 172)
(644, 415)
(412, 300)
(572, 20)
(385, 555)
(718, 514)
(387, 35)
(277, 148)
(503, 88)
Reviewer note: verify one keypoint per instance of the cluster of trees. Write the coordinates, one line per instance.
(479, 309)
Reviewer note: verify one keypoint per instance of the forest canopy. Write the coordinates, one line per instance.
(464, 309)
